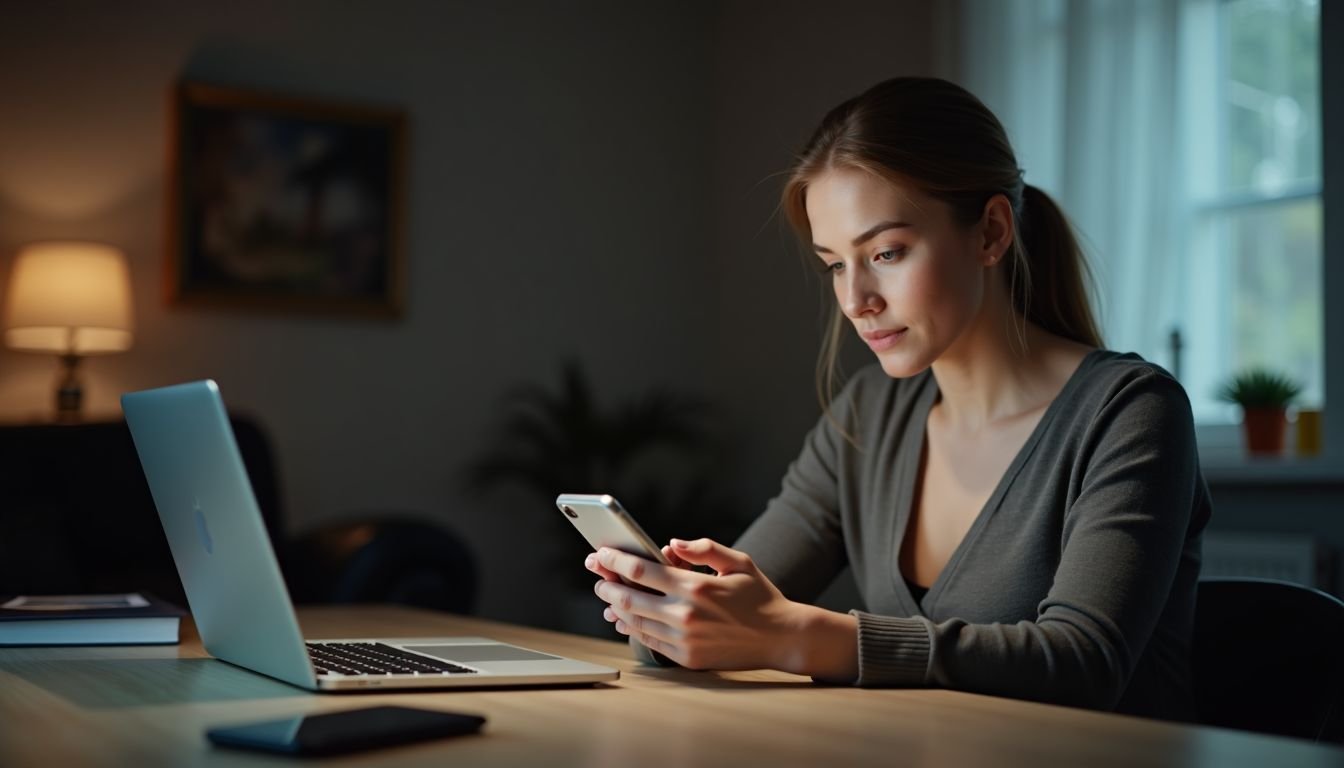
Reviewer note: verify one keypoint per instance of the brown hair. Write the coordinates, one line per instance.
(938, 137)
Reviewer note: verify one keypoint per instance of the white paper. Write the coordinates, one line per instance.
(75, 602)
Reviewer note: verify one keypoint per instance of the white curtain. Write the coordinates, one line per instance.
(1087, 90)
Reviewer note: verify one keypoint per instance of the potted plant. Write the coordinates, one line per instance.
(656, 453)
(1264, 397)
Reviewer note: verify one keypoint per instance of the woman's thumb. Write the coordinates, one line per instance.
(711, 553)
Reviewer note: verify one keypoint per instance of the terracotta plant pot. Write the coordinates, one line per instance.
(1265, 429)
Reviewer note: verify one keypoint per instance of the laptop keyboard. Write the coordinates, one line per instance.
(376, 659)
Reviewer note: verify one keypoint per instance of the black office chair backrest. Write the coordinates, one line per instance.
(383, 557)
(76, 515)
(1268, 656)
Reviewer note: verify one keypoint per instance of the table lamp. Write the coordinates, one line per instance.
(71, 299)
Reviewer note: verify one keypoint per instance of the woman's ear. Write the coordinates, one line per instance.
(996, 230)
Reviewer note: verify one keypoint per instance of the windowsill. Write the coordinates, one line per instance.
(1270, 470)
(1224, 460)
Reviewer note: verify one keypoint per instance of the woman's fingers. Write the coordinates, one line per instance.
(676, 581)
(640, 615)
(591, 564)
(648, 631)
(708, 552)
(627, 600)
(674, 559)
(644, 572)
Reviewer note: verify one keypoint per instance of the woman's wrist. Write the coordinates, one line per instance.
(821, 643)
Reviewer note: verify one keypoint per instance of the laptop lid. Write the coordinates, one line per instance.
(231, 577)
(214, 527)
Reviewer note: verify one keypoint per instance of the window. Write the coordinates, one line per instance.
(1252, 196)
(1183, 137)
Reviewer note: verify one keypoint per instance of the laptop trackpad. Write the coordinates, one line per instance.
(470, 653)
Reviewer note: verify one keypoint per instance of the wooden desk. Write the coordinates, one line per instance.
(149, 706)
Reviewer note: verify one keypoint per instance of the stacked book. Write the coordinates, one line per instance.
(129, 619)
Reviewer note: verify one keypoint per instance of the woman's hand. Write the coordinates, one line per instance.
(735, 619)
(592, 564)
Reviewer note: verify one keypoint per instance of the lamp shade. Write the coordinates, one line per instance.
(70, 298)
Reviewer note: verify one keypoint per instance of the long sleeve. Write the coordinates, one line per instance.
(1134, 481)
(798, 542)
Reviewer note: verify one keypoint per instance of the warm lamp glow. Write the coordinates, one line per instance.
(71, 298)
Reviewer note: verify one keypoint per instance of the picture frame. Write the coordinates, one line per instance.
(284, 203)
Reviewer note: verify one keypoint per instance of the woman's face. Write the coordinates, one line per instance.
(905, 274)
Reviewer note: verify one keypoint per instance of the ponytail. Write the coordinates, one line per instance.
(1050, 278)
(938, 136)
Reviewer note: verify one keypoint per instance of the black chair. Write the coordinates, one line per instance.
(1268, 656)
(383, 558)
(76, 516)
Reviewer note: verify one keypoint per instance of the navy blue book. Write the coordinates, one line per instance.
(129, 619)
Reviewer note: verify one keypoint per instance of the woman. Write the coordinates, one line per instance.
(1022, 510)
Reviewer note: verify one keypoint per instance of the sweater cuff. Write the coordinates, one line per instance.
(893, 651)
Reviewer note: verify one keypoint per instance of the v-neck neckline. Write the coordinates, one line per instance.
(915, 441)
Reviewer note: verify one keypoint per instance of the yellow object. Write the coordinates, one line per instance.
(69, 297)
(1308, 433)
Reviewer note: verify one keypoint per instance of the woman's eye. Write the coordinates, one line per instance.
(834, 269)
(891, 254)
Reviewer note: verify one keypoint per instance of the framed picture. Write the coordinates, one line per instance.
(285, 203)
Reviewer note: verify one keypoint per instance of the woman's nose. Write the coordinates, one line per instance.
(860, 295)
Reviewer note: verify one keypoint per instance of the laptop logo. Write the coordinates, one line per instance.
(202, 530)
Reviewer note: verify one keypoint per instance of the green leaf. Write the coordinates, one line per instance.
(1259, 388)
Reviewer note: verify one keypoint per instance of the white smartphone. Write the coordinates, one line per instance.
(604, 523)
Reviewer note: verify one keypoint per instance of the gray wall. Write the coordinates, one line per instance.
(595, 179)
(778, 72)
(586, 178)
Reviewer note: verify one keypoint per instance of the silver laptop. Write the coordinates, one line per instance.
(233, 583)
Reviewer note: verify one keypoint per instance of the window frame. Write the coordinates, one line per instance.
(1220, 443)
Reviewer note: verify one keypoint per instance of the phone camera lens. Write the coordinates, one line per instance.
(570, 512)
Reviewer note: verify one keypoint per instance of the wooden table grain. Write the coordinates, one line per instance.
(150, 706)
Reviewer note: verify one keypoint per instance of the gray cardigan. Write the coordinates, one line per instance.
(1074, 585)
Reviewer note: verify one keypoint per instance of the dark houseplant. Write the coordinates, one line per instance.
(658, 454)
(1264, 397)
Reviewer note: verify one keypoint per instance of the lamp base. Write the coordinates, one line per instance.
(69, 392)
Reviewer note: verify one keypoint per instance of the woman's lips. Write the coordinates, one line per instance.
(879, 341)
